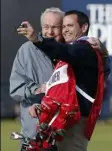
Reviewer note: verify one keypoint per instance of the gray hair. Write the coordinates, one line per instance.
(52, 10)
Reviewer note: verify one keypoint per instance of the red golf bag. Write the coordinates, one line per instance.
(60, 109)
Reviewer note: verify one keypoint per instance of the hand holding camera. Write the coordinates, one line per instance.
(27, 30)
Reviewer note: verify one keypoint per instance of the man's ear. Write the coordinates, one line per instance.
(84, 28)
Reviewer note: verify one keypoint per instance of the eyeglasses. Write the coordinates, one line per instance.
(46, 27)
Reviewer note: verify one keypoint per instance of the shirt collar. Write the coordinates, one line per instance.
(81, 38)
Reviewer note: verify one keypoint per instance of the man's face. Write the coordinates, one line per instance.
(71, 29)
(52, 26)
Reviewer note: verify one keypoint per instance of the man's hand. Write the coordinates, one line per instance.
(28, 31)
(34, 111)
(42, 89)
(95, 43)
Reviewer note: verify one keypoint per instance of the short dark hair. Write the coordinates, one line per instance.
(82, 17)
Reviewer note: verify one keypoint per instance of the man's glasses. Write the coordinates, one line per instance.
(47, 27)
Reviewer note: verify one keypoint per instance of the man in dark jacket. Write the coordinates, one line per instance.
(84, 61)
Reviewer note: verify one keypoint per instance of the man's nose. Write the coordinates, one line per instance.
(50, 30)
(66, 29)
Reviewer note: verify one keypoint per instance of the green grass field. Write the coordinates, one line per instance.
(101, 140)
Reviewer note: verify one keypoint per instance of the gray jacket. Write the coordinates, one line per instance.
(31, 68)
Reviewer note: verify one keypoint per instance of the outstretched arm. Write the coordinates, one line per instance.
(54, 49)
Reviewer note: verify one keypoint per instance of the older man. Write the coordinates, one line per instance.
(32, 68)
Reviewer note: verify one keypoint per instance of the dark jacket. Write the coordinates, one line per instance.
(84, 61)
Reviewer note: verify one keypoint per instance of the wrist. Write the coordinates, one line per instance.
(35, 39)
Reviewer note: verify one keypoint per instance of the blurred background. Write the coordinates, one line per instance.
(13, 12)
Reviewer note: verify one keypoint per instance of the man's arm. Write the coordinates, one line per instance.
(22, 88)
(30, 34)
(53, 49)
(66, 52)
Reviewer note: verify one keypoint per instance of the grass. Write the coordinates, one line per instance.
(8, 126)
(101, 140)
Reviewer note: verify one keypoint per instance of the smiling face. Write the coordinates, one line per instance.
(71, 29)
(52, 26)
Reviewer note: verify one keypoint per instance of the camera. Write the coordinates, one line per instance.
(23, 26)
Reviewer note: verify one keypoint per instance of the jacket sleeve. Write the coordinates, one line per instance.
(66, 52)
(21, 86)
